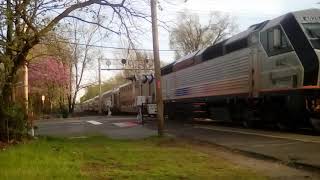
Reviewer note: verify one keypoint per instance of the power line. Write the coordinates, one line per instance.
(174, 10)
(112, 47)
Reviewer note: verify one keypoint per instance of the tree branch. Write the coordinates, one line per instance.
(75, 7)
(94, 23)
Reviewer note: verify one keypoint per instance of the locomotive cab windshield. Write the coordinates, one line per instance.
(313, 33)
(275, 41)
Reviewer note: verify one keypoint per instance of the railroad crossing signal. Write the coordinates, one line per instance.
(108, 63)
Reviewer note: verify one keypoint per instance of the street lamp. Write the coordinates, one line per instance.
(43, 98)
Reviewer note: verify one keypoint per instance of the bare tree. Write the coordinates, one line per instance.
(81, 57)
(138, 63)
(53, 44)
(24, 24)
(93, 90)
(190, 34)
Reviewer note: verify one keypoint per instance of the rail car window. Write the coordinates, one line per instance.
(167, 69)
(240, 44)
(267, 39)
(213, 51)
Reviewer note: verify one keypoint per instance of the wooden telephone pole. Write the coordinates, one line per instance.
(157, 66)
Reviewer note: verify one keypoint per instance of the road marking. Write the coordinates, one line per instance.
(125, 124)
(94, 122)
(302, 139)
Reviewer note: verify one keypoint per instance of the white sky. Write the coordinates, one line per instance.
(246, 12)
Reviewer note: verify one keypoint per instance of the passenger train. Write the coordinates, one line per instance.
(122, 99)
(269, 72)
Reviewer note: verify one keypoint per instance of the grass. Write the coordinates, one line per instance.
(104, 158)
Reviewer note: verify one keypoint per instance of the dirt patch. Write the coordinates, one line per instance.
(169, 142)
(272, 169)
(94, 170)
(93, 166)
(5, 145)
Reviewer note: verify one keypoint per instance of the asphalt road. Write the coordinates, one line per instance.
(290, 148)
(125, 127)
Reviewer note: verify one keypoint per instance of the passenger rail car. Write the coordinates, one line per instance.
(122, 99)
(129, 91)
(127, 94)
(269, 72)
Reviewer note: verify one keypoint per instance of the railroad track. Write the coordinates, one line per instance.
(261, 127)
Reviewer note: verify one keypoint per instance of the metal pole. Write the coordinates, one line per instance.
(100, 98)
(157, 67)
(26, 89)
(26, 96)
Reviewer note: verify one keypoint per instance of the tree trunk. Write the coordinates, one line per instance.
(74, 101)
(70, 103)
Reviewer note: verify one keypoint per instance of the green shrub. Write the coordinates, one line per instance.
(64, 112)
(13, 122)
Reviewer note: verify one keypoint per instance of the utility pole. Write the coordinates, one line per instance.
(100, 97)
(156, 57)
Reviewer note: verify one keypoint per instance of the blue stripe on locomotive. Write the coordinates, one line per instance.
(182, 91)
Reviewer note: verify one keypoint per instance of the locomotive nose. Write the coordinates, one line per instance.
(318, 70)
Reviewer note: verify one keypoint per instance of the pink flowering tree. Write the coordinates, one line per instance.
(49, 77)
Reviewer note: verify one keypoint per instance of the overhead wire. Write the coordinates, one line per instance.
(113, 47)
